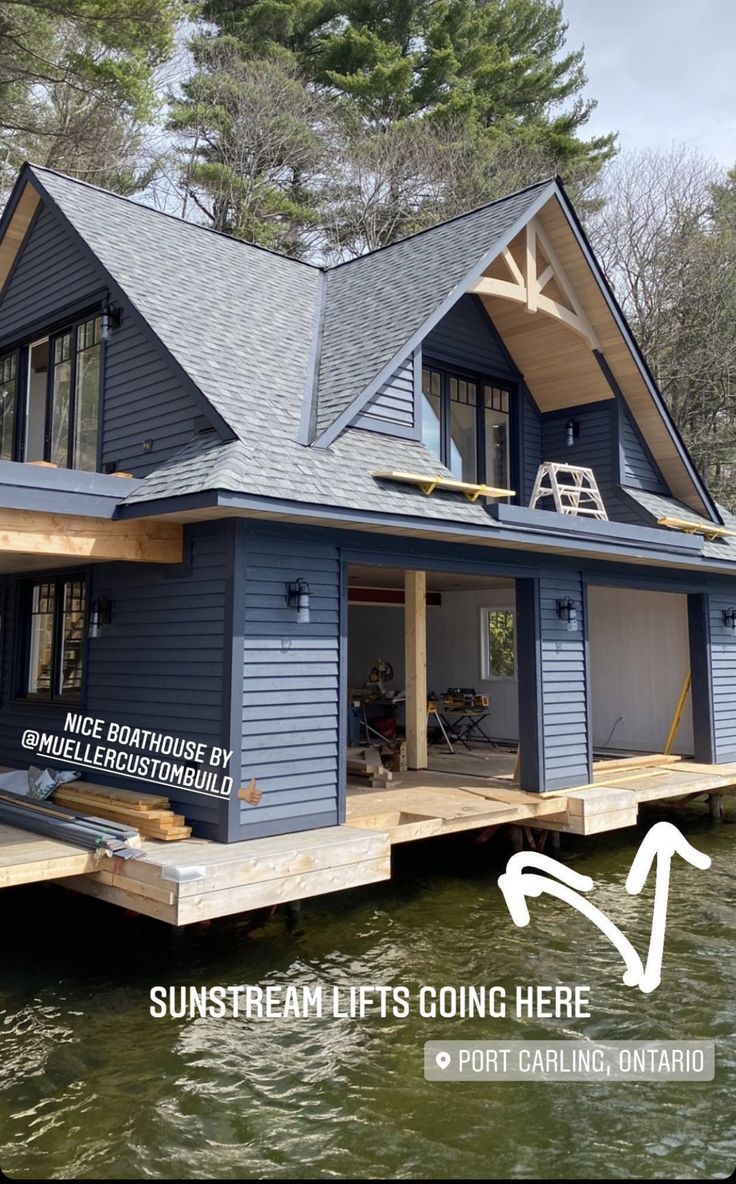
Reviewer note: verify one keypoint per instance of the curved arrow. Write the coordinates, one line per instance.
(516, 885)
(660, 843)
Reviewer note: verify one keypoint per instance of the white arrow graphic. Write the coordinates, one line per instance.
(660, 844)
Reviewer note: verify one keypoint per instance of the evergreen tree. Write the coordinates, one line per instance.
(484, 88)
(77, 83)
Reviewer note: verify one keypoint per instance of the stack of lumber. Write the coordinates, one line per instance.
(367, 762)
(149, 813)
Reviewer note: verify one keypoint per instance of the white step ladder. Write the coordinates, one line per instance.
(577, 493)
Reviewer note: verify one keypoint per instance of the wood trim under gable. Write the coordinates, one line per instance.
(19, 221)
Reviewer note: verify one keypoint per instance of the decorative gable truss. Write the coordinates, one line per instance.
(538, 281)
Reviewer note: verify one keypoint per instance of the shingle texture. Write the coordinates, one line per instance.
(375, 304)
(669, 507)
(243, 324)
(237, 319)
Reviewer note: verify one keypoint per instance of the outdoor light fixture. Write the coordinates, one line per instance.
(100, 615)
(567, 611)
(572, 431)
(110, 320)
(297, 596)
(729, 618)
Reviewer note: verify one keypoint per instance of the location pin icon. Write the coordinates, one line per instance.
(442, 1060)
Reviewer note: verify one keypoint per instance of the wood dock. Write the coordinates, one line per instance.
(191, 880)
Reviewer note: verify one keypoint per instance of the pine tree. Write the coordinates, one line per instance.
(484, 88)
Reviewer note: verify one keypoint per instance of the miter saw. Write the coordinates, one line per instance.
(381, 673)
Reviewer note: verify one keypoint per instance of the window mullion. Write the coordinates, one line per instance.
(57, 635)
(74, 348)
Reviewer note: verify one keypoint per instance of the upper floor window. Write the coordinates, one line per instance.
(465, 423)
(8, 403)
(53, 413)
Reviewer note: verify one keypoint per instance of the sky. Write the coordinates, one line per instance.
(661, 70)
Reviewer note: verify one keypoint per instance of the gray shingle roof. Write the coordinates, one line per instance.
(238, 319)
(338, 477)
(375, 304)
(669, 507)
(242, 324)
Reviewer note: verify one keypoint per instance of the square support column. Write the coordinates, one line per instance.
(415, 646)
(701, 691)
(555, 745)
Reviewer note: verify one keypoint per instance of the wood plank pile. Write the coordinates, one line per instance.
(149, 813)
(368, 763)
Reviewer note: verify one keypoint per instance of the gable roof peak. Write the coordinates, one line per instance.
(551, 182)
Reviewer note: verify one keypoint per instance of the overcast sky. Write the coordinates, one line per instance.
(661, 70)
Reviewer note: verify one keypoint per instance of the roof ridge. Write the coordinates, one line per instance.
(553, 179)
(139, 205)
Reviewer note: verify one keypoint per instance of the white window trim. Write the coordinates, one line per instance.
(485, 655)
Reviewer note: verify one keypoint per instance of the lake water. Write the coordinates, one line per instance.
(92, 1086)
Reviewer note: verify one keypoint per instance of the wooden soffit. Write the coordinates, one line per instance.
(15, 231)
(552, 325)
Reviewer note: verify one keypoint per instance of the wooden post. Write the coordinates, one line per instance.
(415, 648)
(715, 806)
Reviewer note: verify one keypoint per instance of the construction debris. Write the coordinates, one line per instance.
(57, 822)
(150, 814)
(367, 762)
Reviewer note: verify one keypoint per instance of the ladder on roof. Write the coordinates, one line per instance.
(574, 489)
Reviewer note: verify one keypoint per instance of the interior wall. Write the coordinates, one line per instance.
(639, 657)
(375, 631)
(454, 655)
(453, 651)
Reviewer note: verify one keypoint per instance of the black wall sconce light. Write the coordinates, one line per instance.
(297, 596)
(729, 618)
(572, 431)
(567, 612)
(110, 320)
(100, 615)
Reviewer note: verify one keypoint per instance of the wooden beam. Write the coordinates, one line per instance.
(488, 285)
(513, 266)
(34, 532)
(415, 645)
(530, 266)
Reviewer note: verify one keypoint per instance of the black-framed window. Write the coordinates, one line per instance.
(466, 424)
(57, 399)
(8, 404)
(54, 638)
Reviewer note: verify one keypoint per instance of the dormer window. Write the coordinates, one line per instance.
(465, 423)
(63, 397)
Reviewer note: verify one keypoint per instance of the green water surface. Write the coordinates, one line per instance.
(92, 1086)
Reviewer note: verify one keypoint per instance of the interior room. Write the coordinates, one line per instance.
(473, 722)
(639, 661)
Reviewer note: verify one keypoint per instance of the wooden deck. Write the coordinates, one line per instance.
(26, 858)
(196, 880)
(237, 877)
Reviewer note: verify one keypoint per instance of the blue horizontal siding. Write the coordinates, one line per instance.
(143, 401)
(564, 680)
(465, 338)
(393, 407)
(160, 665)
(51, 274)
(594, 448)
(639, 468)
(531, 445)
(291, 685)
(723, 673)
